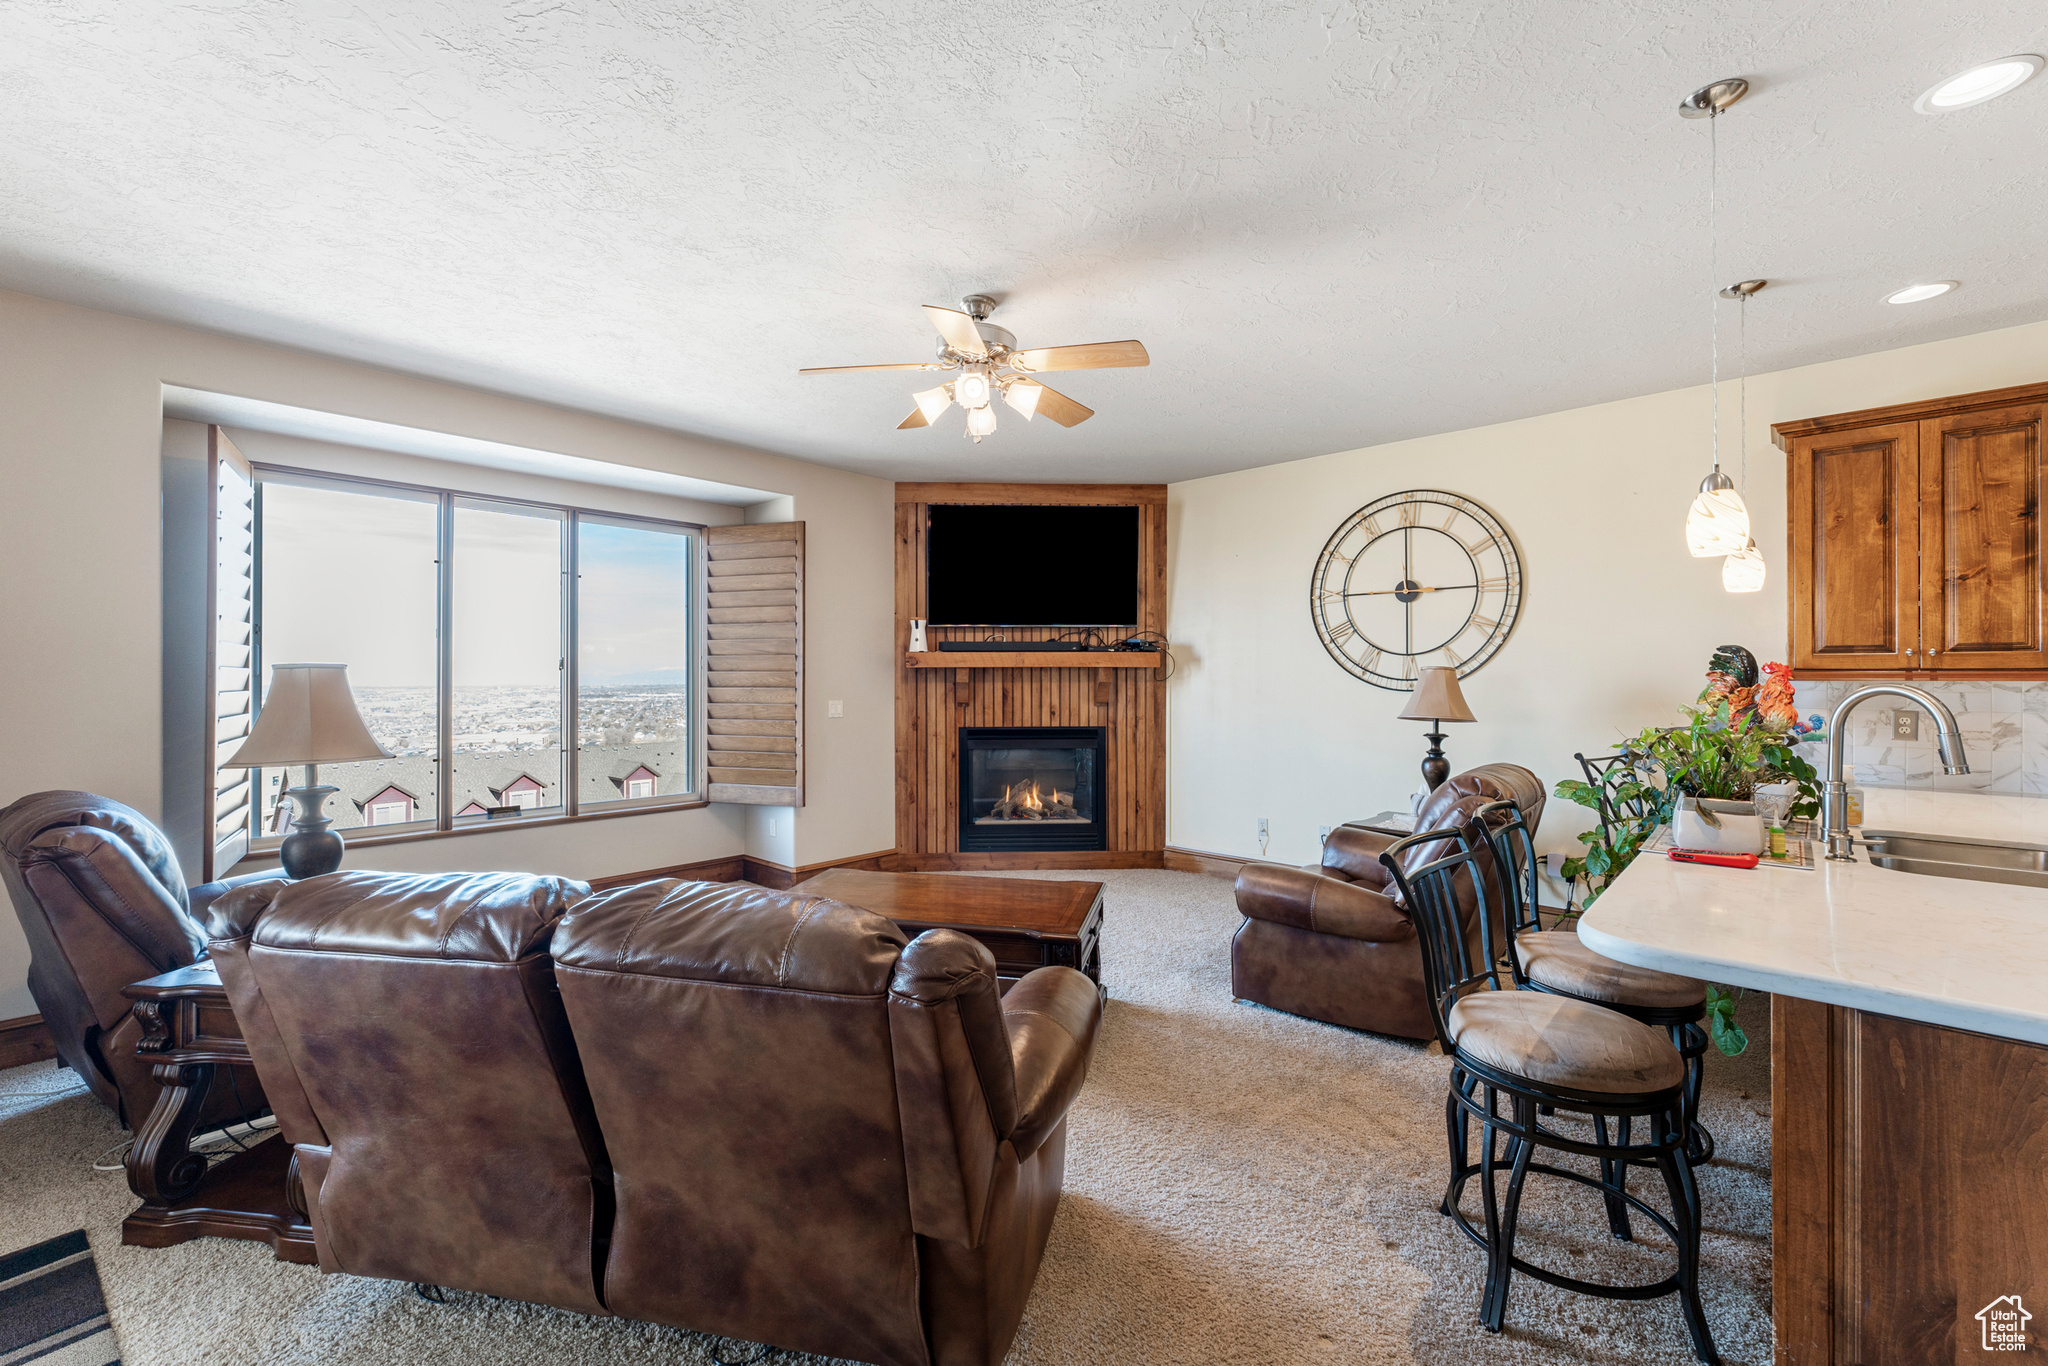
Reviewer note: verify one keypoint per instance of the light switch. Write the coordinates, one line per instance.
(835, 708)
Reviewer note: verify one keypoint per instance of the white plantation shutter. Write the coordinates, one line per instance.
(230, 652)
(754, 662)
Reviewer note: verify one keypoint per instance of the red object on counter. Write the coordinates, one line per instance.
(1723, 860)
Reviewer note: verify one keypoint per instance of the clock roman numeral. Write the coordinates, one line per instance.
(1340, 632)
(1493, 585)
(1410, 514)
(1372, 526)
(1453, 656)
(1372, 658)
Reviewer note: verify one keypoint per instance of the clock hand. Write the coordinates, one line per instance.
(1382, 592)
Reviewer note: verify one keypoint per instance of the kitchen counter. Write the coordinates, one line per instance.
(1966, 955)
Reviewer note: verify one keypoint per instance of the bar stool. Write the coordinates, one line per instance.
(1542, 1051)
(1559, 962)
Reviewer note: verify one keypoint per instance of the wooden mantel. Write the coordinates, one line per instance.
(940, 691)
(1033, 659)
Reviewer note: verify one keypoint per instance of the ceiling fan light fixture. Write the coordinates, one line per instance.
(932, 402)
(1023, 396)
(1980, 83)
(971, 390)
(981, 421)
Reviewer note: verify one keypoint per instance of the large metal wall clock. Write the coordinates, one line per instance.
(1413, 581)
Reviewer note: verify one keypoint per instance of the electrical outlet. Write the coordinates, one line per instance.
(835, 708)
(1262, 829)
(1322, 834)
(775, 825)
(1906, 723)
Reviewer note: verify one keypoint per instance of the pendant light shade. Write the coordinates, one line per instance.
(1719, 521)
(1743, 572)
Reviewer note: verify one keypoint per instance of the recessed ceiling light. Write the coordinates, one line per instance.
(1913, 294)
(1978, 84)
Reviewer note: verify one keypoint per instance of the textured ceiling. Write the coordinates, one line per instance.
(1332, 224)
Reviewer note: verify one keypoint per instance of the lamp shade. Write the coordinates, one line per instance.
(1437, 698)
(1744, 572)
(1718, 524)
(309, 716)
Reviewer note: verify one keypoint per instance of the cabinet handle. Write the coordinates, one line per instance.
(1933, 652)
(1909, 649)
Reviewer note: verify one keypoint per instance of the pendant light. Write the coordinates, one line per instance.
(1718, 523)
(1743, 571)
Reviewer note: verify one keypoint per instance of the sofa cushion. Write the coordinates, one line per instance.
(1560, 960)
(1556, 1041)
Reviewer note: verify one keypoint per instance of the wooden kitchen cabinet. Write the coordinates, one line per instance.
(1915, 537)
(1909, 1187)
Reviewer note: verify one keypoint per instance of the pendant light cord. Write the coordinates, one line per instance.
(1742, 389)
(1714, 273)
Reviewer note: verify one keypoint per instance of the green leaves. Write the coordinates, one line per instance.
(1721, 1027)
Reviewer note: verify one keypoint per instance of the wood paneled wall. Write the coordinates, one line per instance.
(933, 704)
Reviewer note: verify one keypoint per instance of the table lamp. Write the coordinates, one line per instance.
(1437, 700)
(309, 717)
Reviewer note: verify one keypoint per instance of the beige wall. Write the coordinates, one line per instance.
(81, 426)
(1616, 627)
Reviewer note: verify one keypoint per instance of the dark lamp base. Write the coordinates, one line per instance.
(312, 848)
(1436, 770)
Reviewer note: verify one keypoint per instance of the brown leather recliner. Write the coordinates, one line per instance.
(1333, 942)
(822, 1139)
(103, 903)
(409, 1032)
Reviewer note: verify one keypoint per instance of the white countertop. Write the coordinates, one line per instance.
(1969, 955)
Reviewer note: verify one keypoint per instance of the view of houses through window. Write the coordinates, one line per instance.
(350, 572)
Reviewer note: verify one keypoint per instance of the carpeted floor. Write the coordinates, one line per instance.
(1242, 1186)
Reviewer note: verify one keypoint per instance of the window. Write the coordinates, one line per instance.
(473, 629)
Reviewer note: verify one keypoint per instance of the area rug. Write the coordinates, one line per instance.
(50, 1307)
(1243, 1186)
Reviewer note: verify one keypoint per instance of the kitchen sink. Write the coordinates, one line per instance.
(2023, 865)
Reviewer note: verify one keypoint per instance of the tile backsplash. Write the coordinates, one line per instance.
(2005, 734)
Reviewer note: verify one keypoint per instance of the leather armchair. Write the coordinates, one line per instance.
(424, 1072)
(1332, 941)
(754, 1053)
(103, 903)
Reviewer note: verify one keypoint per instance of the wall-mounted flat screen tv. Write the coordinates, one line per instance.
(1018, 565)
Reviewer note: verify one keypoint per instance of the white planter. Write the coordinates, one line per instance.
(1740, 830)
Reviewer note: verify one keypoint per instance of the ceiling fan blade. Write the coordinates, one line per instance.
(1092, 356)
(958, 329)
(1061, 409)
(916, 419)
(849, 369)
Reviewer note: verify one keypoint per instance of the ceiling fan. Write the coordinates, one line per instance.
(991, 366)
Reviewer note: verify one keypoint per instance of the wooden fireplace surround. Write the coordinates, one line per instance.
(938, 694)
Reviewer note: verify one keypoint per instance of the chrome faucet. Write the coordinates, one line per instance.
(1834, 799)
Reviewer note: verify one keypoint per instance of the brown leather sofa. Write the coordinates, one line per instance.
(103, 903)
(738, 1111)
(1333, 942)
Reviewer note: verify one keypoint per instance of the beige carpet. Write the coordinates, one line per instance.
(1242, 1186)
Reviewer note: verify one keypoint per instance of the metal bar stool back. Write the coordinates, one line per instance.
(1538, 1051)
(1565, 966)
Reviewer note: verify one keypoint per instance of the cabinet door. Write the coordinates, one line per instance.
(1980, 539)
(1855, 548)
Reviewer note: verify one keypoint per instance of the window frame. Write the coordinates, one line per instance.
(445, 822)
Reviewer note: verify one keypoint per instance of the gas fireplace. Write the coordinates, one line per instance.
(1031, 787)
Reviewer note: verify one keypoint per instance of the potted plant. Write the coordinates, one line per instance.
(1722, 752)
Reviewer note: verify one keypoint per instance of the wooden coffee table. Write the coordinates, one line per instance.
(1025, 923)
